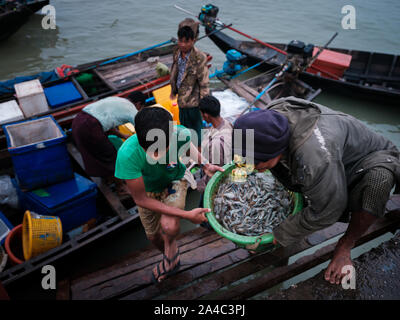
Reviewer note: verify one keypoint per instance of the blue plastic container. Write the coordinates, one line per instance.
(62, 94)
(73, 201)
(5, 228)
(38, 152)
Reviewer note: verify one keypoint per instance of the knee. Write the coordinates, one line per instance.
(170, 226)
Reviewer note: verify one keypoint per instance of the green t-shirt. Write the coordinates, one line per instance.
(132, 161)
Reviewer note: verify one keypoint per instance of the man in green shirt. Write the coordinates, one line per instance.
(149, 163)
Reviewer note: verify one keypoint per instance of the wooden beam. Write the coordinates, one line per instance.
(254, 264)
(140, 255)
(239, 90)
(252, 287)
(111, 198)
(190, 275)
(132, 265)
(63, 290)
(130, 282)
(107, 83)
(3, 293)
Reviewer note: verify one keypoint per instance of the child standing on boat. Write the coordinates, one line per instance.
(189, 77)
(156, 180)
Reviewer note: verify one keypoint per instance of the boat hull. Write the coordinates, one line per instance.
(12, 20)
(372, 76)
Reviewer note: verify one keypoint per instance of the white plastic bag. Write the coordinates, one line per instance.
(231, 104)
(8, 193)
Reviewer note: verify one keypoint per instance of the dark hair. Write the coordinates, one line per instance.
(186, 32)
(137, 96)
(192, 24)
(152, 118)
(210, 105)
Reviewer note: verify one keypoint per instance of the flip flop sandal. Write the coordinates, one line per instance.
(175, 269)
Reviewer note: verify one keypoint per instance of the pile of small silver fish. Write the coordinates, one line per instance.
(253, 207)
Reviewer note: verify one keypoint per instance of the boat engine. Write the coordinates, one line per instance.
(298, 55)
(233, 63)
(208, 16)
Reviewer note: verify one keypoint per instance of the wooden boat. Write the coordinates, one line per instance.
(14, 14)
(371, 75)
(119, 78)
(114, 213)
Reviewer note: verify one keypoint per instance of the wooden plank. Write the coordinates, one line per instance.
(259, 284)
(368, 66)
(392, 65)
(139, 255)
(3, 293)
(266, 99)
(79, 88)
(130, 69)
(63, 290)
(142, 277)
(256, 263)
(243, 93)
(188, 276)
(111, 198)
(140, 262)
(110, 85)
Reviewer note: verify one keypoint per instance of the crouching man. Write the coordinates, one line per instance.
(334, 160)
(156, 180)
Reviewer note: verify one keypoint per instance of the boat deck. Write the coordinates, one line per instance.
(212, 267)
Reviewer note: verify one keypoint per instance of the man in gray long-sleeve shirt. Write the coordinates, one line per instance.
(334, 160)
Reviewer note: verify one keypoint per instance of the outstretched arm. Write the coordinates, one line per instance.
(137, 190)
(208, 168)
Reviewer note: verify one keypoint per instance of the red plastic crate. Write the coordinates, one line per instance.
(333, 63)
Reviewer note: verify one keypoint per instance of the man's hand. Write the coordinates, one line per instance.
(197, 215)
(172, 96)
(210, 169)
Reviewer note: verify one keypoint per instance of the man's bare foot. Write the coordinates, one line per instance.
(341, 258)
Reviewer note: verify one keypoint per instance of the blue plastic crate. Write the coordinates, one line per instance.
(62, 94)
(73, 201)
(38, 152)
(5, 228)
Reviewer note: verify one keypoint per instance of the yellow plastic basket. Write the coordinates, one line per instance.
(40, 234)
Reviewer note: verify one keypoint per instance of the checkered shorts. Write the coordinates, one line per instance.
(371, 193)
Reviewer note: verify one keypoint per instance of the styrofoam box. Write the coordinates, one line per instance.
(31, 97)
(10, 111)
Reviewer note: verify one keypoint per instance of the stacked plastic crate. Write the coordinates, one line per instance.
(44, 177)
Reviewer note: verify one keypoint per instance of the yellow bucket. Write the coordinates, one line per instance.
(40, 234)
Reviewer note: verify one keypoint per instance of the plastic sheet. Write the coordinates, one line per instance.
(8, 193)
(231, 104)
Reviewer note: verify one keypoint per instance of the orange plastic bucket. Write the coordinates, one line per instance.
(13, 245)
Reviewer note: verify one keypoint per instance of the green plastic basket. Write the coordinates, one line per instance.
(253, 243)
